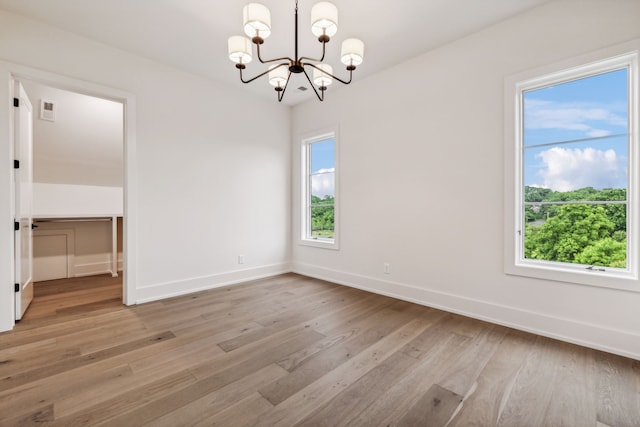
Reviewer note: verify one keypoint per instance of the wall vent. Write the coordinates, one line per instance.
(47, 110)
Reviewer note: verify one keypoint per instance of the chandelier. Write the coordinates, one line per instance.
(324, 25)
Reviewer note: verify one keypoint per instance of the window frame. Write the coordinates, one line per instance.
(305, 193)
(621, 56)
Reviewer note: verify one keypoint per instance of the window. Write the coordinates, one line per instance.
(319, 210)
(574, 154)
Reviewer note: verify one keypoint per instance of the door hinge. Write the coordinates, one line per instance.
(16, 287)
(16, 102)
(16, 226)
(16, 164)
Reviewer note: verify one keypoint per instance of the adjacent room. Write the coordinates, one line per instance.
(186, 240)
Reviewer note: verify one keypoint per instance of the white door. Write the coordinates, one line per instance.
(23, 128)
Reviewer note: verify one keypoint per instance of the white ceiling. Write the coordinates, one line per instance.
(192, 34)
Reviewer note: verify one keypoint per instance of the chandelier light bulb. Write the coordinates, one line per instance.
(239, 49)
(320, 78)
(257, 20)
(352, 52)
(324, 19)
(278, 75)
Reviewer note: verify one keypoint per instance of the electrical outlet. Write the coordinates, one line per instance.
(386, 268)
(240, 259)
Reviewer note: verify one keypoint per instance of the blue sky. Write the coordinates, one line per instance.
(323, 166)
(593, 109)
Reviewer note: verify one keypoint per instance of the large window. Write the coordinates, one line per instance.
(575, 171)
(319, 222)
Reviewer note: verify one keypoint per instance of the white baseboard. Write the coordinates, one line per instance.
(196, 284)
(91, 269)
(623, 343)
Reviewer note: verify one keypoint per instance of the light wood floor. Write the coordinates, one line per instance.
(289, 351)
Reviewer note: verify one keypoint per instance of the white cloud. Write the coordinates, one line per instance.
(324, 183)
(568, 169)
(589, 118)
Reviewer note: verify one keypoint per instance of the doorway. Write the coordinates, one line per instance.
(78, 184)
(10, 72)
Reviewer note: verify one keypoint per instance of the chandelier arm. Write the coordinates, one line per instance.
(268, 61)
(259, 75)
(321, 98)
(281, 94)
(337, 78)
(304, 58)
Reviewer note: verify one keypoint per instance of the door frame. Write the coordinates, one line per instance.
(8, 72)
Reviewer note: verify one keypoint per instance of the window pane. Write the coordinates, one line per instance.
(600, 163)
(584, 108)
(575, 148)
(323, 187)
(322, 156)
(322, 222)
(319, 196)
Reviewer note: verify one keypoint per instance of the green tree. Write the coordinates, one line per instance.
(616, 213)
(322, 216)
(566, 235)
(605, 252)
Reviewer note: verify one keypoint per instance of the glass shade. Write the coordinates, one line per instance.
(352, 52)
(239, 49)
(257, 20)
(324, 19)
(278, 75)
(320, 78)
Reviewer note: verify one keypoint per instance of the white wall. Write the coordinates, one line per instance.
(85, 143)
(209, 185)
(66, 200)
(421, 178)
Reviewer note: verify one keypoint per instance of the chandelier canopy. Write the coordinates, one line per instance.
(324, 25)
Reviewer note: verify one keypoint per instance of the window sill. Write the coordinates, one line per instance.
(320, 243)
(578, 275)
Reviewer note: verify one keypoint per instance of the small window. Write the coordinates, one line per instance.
(319, 219)
(574, 159)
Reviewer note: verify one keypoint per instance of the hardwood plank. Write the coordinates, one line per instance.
(210, 407)
(22, 334)
(311, 309)
(355, 398)
(440, 330)
(16, 380)
(484, 405)
(91, 306)
(365, 305)
(342, 325)
(24, 362)
(216, 379)
(573, 400)
(310, 398)
(110, 409)
(401, 394)
(533, 383)
(366, 333)
(242, 414)
(21, 401)
(461, 375)
(617, 401)
(37, 415)
(434, 408)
